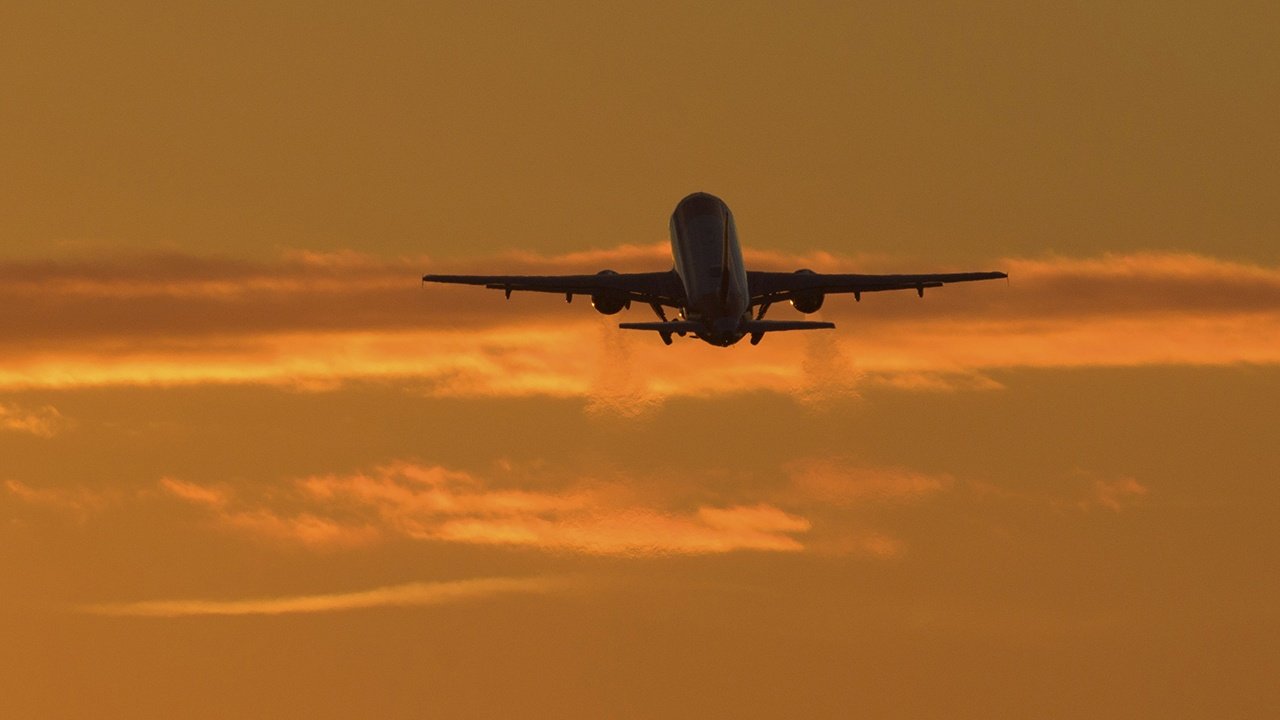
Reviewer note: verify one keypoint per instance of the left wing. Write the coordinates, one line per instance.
(657, 288)
(771, 287)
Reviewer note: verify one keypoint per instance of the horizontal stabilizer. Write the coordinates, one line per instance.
(747, 326)
(673, 326)
(754, 327)
(757, 328)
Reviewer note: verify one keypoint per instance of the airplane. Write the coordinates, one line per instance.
(710, 289)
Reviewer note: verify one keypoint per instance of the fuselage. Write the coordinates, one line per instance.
(708, 259)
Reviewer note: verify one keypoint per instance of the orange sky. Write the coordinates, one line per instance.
(250, 467)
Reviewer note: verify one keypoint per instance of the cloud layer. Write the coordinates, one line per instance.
(432, 503)
(316, 321)
(825, 505)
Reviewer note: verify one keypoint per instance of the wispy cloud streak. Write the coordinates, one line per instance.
(406, 595)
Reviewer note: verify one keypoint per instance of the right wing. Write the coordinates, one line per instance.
(772, 287)
(657, 288)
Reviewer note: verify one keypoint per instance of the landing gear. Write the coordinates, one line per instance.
(657, 310)
(764, 306)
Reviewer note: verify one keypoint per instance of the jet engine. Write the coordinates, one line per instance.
(609, 303)
(807, 301)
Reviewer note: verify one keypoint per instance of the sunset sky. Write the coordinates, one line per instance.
(250, 467)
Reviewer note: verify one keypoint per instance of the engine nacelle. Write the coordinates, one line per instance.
(807, 301)
(609, 303)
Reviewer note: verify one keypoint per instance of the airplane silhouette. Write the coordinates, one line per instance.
(709, 287)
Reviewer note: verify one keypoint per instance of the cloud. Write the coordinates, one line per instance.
(43, 421)
(1114, 494)
(436, 504)
(316, 321)
(406, 595)
(820, 505)
(197, 494)
(848, 499)
(1079, 490)
(861, 542)
(80, 502)
(842, 482)
(300, 527)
